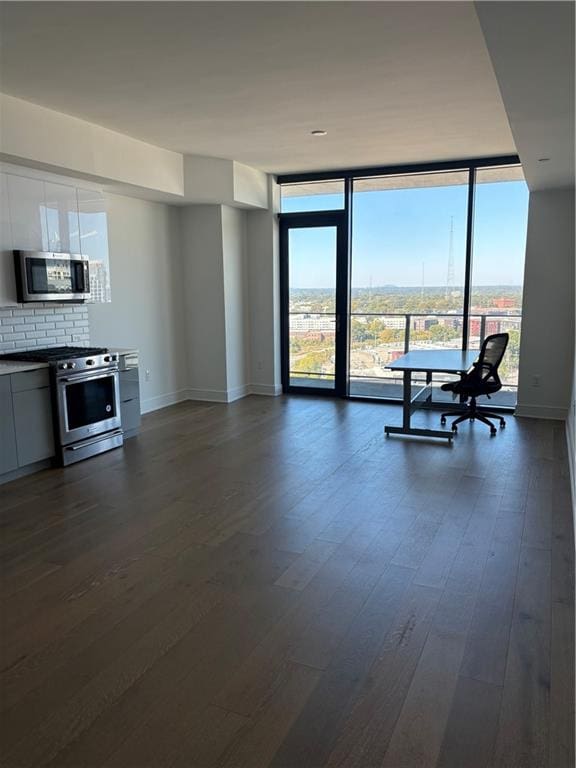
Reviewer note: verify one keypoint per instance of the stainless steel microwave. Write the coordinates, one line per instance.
(42, 276)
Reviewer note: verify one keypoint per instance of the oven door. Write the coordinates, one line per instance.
(88, 405)
(51, 276)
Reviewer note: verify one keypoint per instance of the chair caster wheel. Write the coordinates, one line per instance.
(454, 429)
(502, 424)
(442, 420)
(493, 432)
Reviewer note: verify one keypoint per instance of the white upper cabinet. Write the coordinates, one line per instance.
(7, 281)
(44, 215)
(94, 241)
(5, 227)
(62, 218)
(27, 210)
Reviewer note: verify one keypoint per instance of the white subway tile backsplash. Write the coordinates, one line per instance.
(35, 334)
(26, 327)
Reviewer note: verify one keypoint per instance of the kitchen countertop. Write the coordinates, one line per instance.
(123, 350)
(13, 366)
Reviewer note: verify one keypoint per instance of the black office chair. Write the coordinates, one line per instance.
(481, 379)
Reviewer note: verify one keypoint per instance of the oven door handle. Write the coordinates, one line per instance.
(89, 376)
(99, 439)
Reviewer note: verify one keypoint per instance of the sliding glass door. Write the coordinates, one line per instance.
(313, 258)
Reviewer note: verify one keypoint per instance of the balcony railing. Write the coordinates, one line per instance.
(377, 339)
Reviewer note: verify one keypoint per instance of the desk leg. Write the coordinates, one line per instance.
(406, 429)
(407, 397)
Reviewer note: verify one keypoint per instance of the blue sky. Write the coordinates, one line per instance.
(401, 235)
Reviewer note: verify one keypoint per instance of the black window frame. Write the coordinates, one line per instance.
(471, 165)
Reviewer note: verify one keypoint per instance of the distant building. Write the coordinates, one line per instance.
(396, 323)
(315, 335)
(491, 326)
(312, 323)
(450, 322)
(505, 302)
(510, 323)
(423, 323)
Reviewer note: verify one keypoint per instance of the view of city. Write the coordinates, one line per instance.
(408, 260)
(384, 321)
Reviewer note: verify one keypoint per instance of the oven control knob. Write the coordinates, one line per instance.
(71, 365)
(107, 358)
(63, 366)
(89, 362)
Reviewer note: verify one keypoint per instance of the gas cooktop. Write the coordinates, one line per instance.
(53, 354)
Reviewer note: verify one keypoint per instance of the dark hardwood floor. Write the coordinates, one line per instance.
(273, 583)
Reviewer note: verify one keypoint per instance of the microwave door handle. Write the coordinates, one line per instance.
(79, 286)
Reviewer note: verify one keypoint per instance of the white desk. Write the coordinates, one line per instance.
(428, 362)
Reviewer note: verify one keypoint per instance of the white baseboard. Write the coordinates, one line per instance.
(270, 390)
(207, 395)
(230, 395)
(237, 393)
(162, 401)
(540, 412)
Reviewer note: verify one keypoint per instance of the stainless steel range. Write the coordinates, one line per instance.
(86, 399)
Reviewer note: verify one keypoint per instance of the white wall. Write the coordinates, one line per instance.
(224, 182)
(147, 300)
(216, 301)
(34, 134)
(547, 344)
(203, 285)
(236, 301)
(250, 186)
(264, 292)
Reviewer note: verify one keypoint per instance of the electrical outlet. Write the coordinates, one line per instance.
(146, 375)
(536, 380)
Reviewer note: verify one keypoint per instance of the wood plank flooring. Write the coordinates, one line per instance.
(273, 584)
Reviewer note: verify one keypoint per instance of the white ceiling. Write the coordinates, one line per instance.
(391, 82)
(531, 45)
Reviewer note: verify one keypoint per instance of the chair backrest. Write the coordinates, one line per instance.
(493, 350)
(485, 370)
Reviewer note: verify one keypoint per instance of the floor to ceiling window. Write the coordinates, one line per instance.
(407, 272)
(497, 275)
(378, 264)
